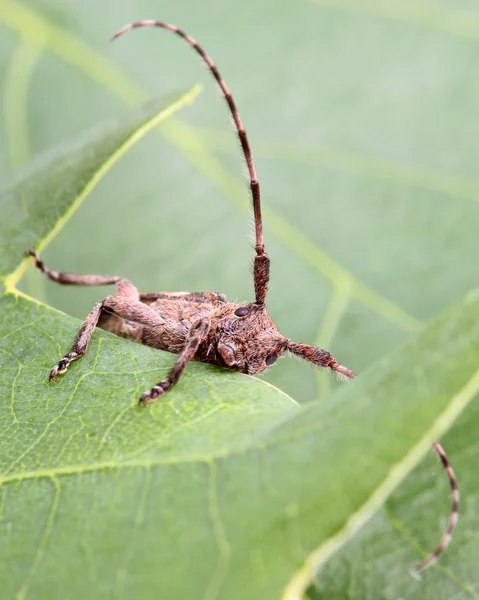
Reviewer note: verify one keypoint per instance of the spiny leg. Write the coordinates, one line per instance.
(71, 278)
(123, 286)
(121, 306)
(80, 343)
(453, 516)
(197, 334)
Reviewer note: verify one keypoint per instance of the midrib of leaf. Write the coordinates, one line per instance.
(436, 16)
(107, 466)
(93, 65)
(11, 279)
(82, 469)
(302, 578)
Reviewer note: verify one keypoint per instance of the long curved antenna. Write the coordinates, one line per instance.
(453, 516)
(261, 262)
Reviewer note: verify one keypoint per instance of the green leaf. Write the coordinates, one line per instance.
(221, 490)
(36, 208)
(362, 119)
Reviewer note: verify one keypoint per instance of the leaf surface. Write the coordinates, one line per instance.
(225, 488)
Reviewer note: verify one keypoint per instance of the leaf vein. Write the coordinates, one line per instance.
(224, 549)
(23, 591)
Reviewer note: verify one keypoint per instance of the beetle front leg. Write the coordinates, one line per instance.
(80, 344)
(121, 306)
(197, 334)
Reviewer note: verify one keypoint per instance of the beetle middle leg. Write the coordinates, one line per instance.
(197, 334)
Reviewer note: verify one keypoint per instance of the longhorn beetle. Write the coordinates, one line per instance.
(204, 326)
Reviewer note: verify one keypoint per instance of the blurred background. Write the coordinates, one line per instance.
(362, 117)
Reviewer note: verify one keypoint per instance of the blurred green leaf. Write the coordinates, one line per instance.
(36, 207)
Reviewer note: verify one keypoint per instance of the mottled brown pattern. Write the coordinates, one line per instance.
(240, 337)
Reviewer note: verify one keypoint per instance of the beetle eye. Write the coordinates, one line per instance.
(271, 359)
(241, 312)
